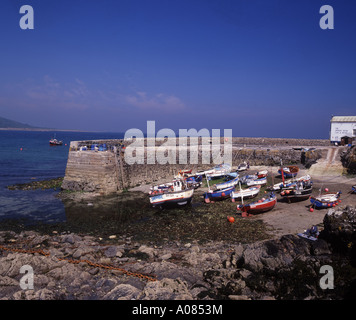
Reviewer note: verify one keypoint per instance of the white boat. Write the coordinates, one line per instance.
(227, 184)
(242, 167)
(218, 171)
(177, 194)
(262, 173)
(288, 183)
(245, 193)
(261, 182)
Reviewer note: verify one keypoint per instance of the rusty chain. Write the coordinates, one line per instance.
(93, 264)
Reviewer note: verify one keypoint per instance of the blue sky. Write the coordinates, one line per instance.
(261, 68)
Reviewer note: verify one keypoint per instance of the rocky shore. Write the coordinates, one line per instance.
(76, 266)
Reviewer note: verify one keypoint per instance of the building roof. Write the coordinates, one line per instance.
(343, 119)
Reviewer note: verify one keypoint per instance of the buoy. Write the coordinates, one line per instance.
(238, 207)
(311, 210)
(339, 201)
(231, 219)
(20, 149)
(282, 193)
(223, 194)
(326, 190)
(334, 204)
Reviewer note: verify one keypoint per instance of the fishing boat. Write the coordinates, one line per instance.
(55, 142)
(289, 172)
(220, 194)
(242, 167)
(260, 206)
(216, 172)
(353, 189)
(177, 194)
(245, 193)
(297, 192)
(262, 174)
(247, 178)
(194, 181)
(261, 182)
(326, 200)
(227, 184)
(288, 183)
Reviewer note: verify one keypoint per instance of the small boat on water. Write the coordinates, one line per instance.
(297, 192)
(221, 194)
(326, 200)
(289, 172)
(175, 194)
(55, 142)
(245, 193)
(260, 206)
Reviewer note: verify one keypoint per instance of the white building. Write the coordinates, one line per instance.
(343, 129)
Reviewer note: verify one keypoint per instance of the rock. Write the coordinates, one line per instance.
(122, 292)
(166, 289)
(240, 297)
(147, 250)
(166, 256)
(111, 252)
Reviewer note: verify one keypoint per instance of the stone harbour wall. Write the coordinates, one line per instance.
(105, 170)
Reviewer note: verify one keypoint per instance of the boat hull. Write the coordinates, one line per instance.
(210, 197)
(325, 201)
(245, 194)
(289, 172)
(178, 198)
(256, 182)
(292, 195)
(257, 207)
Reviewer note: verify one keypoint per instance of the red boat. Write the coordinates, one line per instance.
(259, 206)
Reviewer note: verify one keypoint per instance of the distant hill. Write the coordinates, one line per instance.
(7, 123)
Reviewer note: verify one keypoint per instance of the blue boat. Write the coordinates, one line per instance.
(354, 189)
(227, 184)
(289, 172)
(215, 195)
(326, 200)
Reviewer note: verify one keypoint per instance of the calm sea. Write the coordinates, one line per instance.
(26, 156)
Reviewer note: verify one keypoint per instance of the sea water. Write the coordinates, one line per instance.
(26, 156)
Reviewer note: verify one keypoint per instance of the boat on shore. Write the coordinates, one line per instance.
(297, 192)
(227, 184)
(176, 194)
(248, 193)
(353, 189)
(260, 206)
(255, 182)
(326, 200)
(288, 183)
(216, 195)
(216, 172)
(289, 171)
(242, 167)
